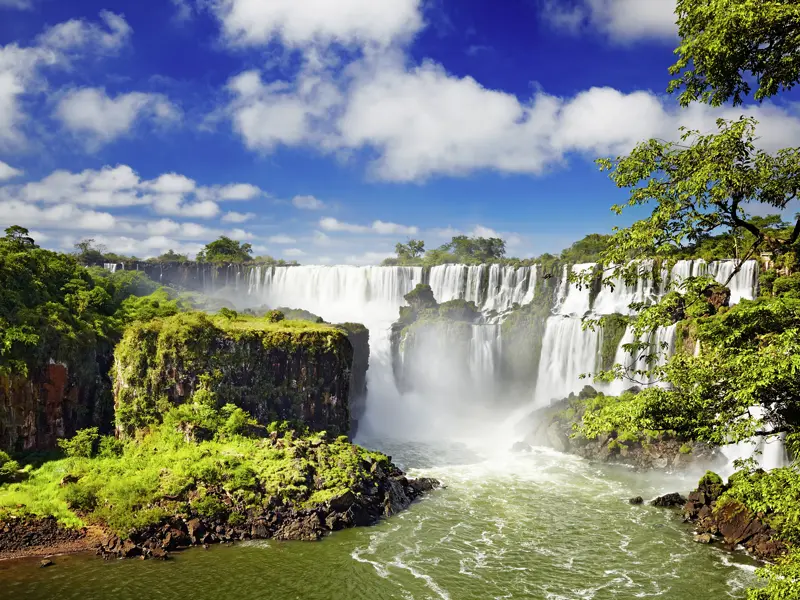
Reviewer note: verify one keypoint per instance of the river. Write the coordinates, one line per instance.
(539, 525)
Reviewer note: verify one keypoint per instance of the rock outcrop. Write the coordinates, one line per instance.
(276, 372)
(384, 495)
(555, 427)
(52, 402)
(730, 521)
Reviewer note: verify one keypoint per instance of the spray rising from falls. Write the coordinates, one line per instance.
(453, 377)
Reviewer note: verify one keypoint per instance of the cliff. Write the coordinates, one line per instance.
(285, 371)
(52, 402)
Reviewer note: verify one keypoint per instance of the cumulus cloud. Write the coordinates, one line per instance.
(379, 227)
(15, 212)
(8, 172)
(295, 24)
(307, 203)
(170, 194)
(238, 191)
(282, 239)
(623, 21)
(282, 113)
(21, 67)
(237, 217)
(78, 35)
(102, 118)
(293, 252)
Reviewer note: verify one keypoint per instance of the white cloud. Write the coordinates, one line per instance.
(321, 239)
(623, 21)
(299, 23)
(425, 122)
(281, 239)
(238, 191)
(169, 194)
(183, 10)
(236, 217)
(58, 46)
(17, 4)
(308, 203)
(293, 252)
(367, 258)
(173, 204)
(282, 113)
(8, 172)
(379, 227)
(79, 35)
(59, 216)
(172, 183)
(485, 232)
(393, 228)
(92, 112)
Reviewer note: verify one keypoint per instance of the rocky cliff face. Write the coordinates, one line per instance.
(275, 371)
(358, 336)
(51, 403)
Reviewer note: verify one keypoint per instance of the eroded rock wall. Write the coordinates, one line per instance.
(275, 373)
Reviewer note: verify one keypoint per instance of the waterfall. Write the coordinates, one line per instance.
(110, 267)
(568, 350)
(456, 368)
(484, 353)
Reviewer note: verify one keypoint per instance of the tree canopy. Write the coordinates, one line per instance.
(226, 250)
(726, 44)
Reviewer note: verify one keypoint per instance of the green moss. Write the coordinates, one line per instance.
(685, 449)
(614, 327)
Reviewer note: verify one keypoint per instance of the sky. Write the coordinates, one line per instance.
(326, 132)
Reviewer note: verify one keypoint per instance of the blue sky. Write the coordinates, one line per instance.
(327, 131)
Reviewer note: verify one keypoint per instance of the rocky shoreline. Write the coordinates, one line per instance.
(25, 537)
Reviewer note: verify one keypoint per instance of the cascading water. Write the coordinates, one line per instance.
(373, 295)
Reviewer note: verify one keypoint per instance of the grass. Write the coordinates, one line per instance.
(161, 474)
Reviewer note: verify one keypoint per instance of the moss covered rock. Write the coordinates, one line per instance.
(291, 370)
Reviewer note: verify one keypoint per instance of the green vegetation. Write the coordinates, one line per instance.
(727, 44)
(170, 257)
(226, 250)
(238, 471)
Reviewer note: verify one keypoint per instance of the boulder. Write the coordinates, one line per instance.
(636, 500)
(669, 500)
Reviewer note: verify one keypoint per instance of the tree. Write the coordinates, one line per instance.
(411, 250)
(89, 253)
(226, 250)
(722, 41)
(18, 236)
(171, 256)
(476, 249)
(703, 184)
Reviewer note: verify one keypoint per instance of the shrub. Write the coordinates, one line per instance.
(275, 316)
(8, 468)
(83, 445)
(787, 287)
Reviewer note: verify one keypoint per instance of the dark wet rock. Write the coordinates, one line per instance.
(386, 493)
(636, 500)
(732, 522)
(46, 563)
(669, 500)
(703, 538)
(521, 447)
(19, 536)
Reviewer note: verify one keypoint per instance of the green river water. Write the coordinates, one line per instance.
(539, 525)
